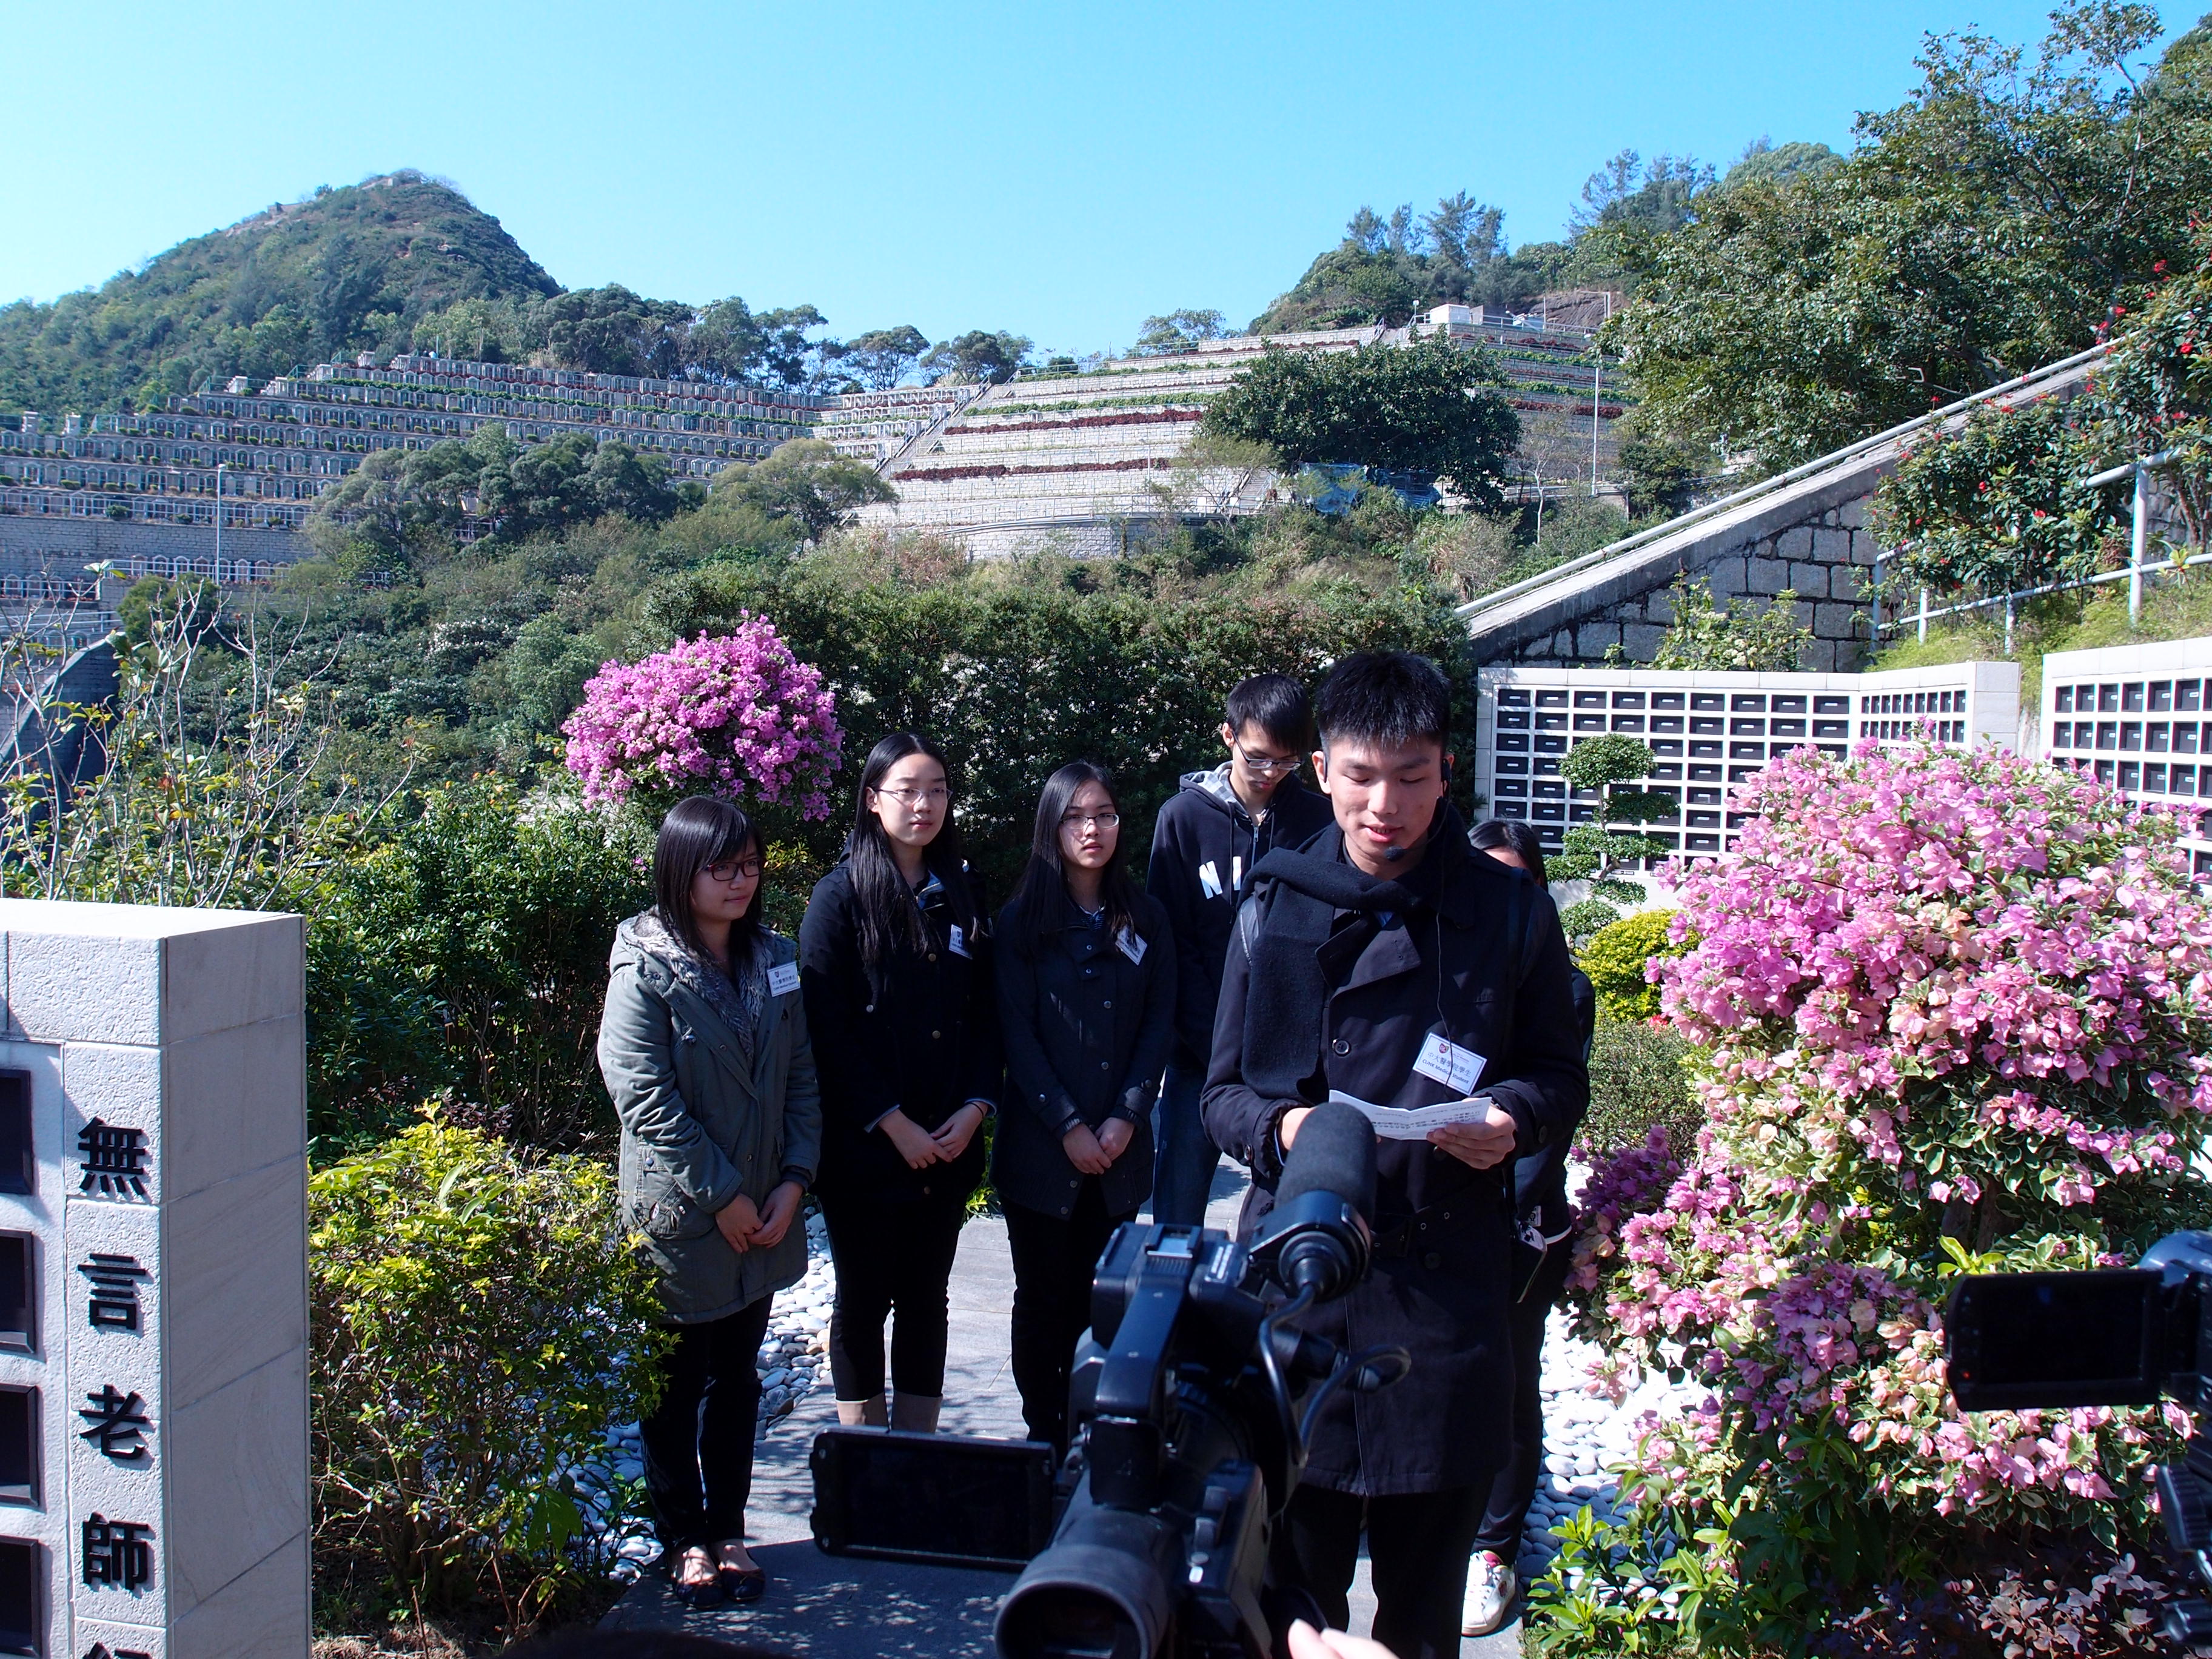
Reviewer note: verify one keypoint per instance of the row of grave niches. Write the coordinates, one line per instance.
(1552, 718)
(2145, 737)
(2130, 697)
(2145, 777)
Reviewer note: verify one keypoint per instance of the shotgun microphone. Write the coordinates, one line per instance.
(1316, 1237)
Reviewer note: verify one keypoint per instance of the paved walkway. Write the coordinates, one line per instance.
(825, 1606)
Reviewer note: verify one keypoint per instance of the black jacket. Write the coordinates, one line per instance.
(1479, 957)
(1086, 1031)
(1205, 847)
(924, 1040)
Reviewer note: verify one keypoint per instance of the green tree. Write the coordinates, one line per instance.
(396, 496)
(806, 481)
(1663, 472)
(1767, 163)
(986, 359)
(1598, 769)
(1985, 226)
(883, 357)
(1179, 330)
(1431, 408)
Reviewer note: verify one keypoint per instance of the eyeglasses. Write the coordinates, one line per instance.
(936, 794)
(1268, 764)
(736, 870)
(1090, 821)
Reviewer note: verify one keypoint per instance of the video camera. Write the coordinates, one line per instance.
(2121, 1336)
(1190, 1405)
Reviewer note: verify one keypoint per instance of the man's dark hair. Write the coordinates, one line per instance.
(1388, 698)
(1513, 833)
(1275, 703)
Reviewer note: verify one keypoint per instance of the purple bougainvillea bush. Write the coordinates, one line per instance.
(735, 714)
(1950, 1011)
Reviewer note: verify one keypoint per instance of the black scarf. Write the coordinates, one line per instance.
(1286, 998)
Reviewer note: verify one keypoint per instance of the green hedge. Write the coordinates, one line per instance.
(1016, 679)
(1638, 1084)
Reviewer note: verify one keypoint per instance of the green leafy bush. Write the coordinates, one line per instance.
(1737, 637)
(1638, 1084)
(478, 1320)
(466, 956)
(1614, 959)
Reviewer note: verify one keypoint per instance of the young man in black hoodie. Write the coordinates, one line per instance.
(1204, 846)
(1391, 962)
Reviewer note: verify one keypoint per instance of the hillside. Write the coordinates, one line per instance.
(343, 270)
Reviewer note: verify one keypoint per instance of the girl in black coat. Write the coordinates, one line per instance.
(1087, 1002)
(894, 968)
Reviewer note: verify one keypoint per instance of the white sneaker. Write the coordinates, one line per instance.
(1491, 1585)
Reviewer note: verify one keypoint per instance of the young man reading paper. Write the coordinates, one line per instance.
(1390, 963)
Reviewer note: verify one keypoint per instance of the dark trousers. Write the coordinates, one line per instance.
(1054, 1259)
(699, 1440)
(1417, 1550)
(893, 1261)
(1184, 1157)
(1515, 1489)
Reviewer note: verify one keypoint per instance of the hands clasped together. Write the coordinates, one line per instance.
(922, 1147)
(745, 1227)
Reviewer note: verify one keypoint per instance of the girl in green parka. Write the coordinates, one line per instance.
(703, 1046)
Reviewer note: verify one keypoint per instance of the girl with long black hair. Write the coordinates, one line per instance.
(895, 961)
(704, 1049)
(1086, 1001)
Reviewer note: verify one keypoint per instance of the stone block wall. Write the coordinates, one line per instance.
(1825, 561)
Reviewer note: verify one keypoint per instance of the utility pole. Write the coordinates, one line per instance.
(1597, 385)
(220, 467)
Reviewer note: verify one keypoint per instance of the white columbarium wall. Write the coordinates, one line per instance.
(182, 1033)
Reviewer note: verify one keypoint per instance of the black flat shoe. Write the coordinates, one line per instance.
(697, 1598)
(742, 1584)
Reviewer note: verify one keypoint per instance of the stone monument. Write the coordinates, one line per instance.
(153, 1284)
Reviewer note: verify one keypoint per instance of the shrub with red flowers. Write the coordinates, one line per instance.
(1951, 1012)
(734, 714)
(2155, 390)
(2000, 504)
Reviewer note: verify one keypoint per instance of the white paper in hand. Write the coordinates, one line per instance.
(1414, 1123)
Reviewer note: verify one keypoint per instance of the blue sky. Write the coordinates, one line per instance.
(1058, 170)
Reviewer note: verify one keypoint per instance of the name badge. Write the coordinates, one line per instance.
(1209, 881)
(783, 979)
(1455, 1067)
(1131, 947)
(956, 940)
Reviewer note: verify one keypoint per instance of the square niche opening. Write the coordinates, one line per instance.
(19, 1446)
(21, 1575)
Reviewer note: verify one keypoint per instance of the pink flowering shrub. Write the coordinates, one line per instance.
(735, 715)
(1952, 1011)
